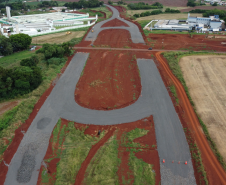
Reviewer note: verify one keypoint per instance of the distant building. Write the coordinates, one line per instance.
(211, 22)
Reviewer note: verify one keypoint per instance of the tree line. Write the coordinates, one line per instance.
(155, 12)
(143, 6)
(207, 13)
(84, 4)
(28, 76)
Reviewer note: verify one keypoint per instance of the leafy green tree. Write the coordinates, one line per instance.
(214, 4)
(27, 62)
(20, 41)
(5, 46)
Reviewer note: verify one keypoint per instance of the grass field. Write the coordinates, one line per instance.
(57, 38)
(14, 59)
(169, 16)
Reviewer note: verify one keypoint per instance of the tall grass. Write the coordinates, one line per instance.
(103, 167)
(76, 148)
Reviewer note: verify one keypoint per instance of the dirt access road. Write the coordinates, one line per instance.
(214, 168)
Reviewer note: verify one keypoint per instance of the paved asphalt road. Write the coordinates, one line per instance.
(154, 101)
(133, 29)
(171, 141)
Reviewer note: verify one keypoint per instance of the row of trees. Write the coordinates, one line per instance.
(155, 12)
(16, 6)
(20, 80)
(14, 43)
(47, 4)
(221, 13)
(143, 6)
(144, 14)
(84, 4)
(168, 10)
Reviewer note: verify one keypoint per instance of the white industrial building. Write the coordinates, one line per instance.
(211, 23)
(38, 24)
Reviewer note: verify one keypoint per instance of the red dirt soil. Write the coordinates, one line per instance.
(116, 38)
(215, 172)
(11, 150)
(114, 23)
(110, 81)
(184, 41)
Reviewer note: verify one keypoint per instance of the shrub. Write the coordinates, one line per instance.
(27, 62)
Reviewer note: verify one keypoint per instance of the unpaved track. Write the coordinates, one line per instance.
(216, 169)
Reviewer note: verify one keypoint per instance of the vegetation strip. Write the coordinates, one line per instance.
(173, 61)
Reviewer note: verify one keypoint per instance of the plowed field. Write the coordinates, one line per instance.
(206, 80)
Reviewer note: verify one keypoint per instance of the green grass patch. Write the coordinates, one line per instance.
(103, 167)
(173, 90)
(143, 172)
(76, 148)
(14, 59)
(173, 59)
(104, 9)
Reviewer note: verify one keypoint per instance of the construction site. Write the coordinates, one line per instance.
(119, 111)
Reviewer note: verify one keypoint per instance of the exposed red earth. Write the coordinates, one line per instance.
(110, 81)
(184, 41)
(215, 172)
(116, 38)
(149, 154)
(114, 23)
(11, 150)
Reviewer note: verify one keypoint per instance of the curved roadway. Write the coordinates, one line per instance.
(155, 100)
(133, 29)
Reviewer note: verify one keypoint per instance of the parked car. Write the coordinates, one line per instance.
(149, 48)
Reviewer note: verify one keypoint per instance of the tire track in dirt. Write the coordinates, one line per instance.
(211, 163)
(81, 173)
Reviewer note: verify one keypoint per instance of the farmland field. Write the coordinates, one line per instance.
(57, 38)
(169, 16)
(206, 80)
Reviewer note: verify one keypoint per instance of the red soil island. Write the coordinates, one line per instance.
(114, 23)
(110, 81)
(116, 38)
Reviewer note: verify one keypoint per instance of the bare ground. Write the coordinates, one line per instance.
(57, 38)
(206, 79)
